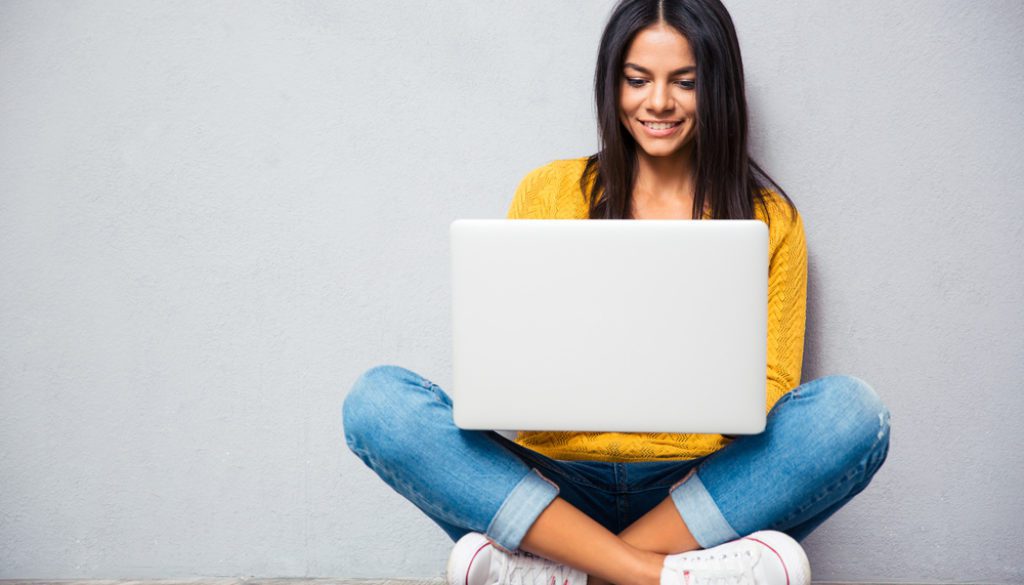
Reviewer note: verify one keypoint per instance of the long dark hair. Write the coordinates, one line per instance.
(726, 177)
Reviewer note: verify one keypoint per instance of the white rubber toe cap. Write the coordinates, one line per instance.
(793, 567)
(470, 561)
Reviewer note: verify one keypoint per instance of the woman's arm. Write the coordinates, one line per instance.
(522, 200)
(787, 304)
(535, 196)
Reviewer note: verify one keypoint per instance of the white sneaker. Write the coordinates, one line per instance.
(765, 557)
(475, 561)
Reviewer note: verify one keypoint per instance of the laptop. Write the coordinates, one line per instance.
(609, 325)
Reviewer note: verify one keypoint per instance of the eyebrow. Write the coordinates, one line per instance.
(680, 71)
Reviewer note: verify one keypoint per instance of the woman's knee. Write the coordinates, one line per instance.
(857, 414)
(374, 404)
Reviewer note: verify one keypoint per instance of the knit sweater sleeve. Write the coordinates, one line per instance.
(530, 200)
(787, 304)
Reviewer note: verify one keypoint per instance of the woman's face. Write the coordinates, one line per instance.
(658, 99)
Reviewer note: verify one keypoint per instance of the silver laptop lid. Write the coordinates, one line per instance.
(615, 325)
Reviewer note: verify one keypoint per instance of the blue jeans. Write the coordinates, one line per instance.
(823, 442)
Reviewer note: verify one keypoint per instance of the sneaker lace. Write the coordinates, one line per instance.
(735, 568)
(523, 568)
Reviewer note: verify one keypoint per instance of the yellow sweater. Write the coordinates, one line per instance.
(553, 192)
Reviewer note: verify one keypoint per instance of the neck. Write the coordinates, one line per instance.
(665, 178)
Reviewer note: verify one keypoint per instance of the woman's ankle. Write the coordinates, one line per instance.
(648, 570)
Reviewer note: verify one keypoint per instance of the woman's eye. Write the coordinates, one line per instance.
(683, 83)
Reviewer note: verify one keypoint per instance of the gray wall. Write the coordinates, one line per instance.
(213, 218)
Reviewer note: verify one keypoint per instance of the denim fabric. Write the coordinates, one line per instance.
(823, 442)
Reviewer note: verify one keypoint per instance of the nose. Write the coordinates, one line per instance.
(659, 99)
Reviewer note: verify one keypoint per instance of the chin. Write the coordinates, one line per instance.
(660, 153)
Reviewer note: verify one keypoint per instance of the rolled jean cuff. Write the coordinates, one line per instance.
(701, 514)
(520, 510)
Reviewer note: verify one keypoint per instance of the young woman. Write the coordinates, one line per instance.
(556, 508)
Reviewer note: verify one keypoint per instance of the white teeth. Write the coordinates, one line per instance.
(660, 125)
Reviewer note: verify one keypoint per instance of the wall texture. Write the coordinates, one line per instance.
(215, 216)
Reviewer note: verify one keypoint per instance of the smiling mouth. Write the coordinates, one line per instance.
(661, 125)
